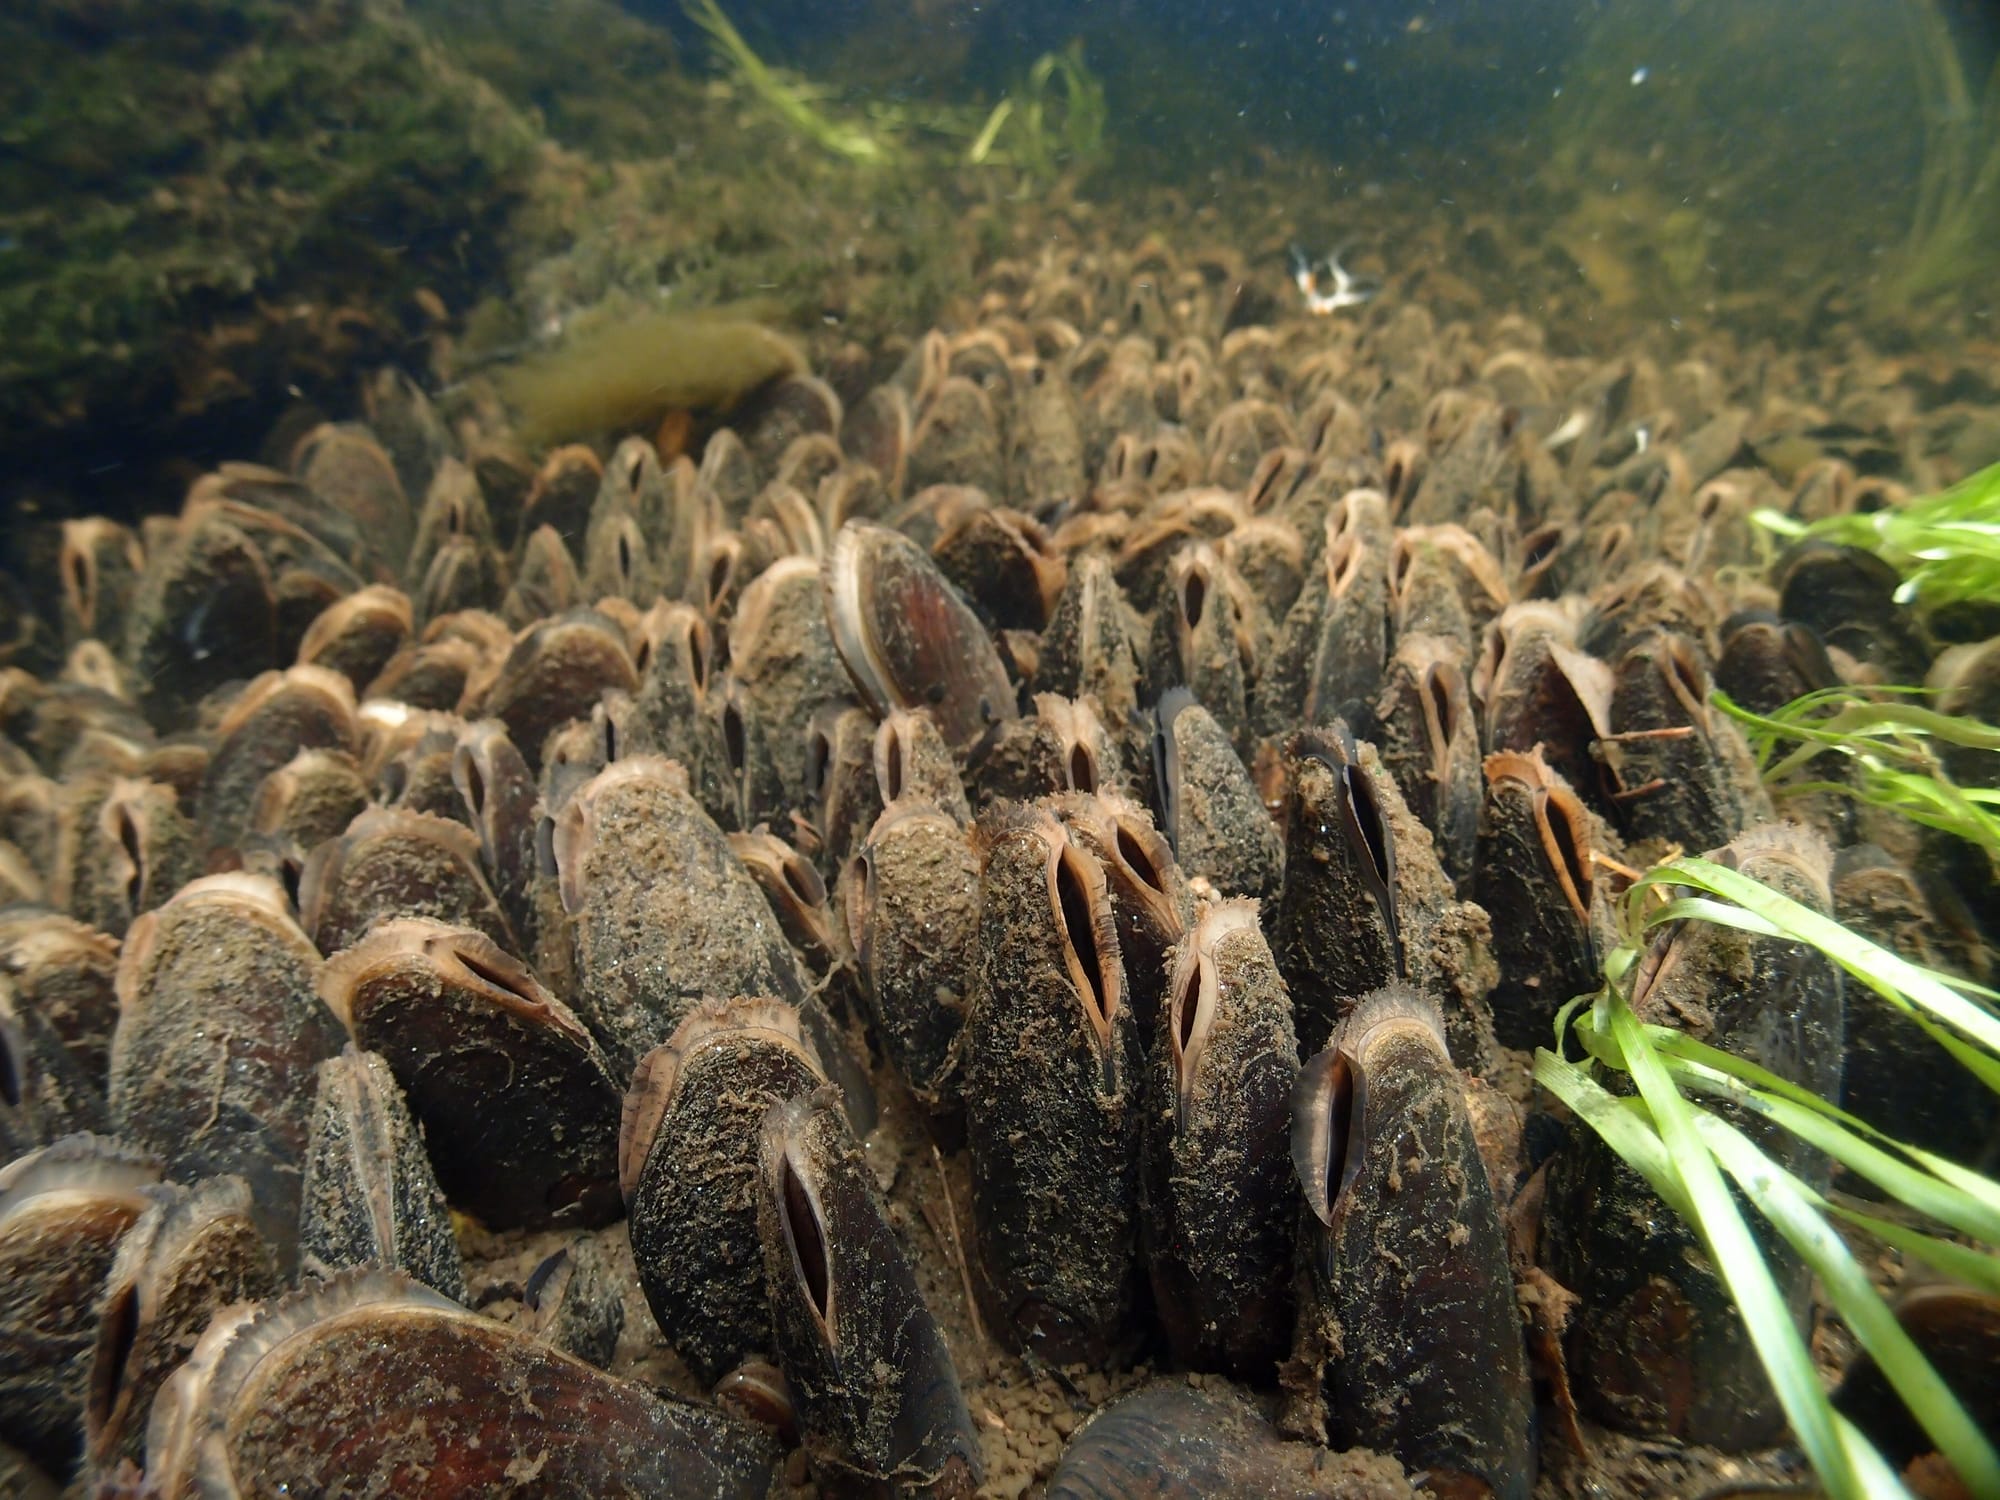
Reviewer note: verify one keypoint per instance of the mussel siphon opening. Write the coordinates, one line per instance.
(1134, 854)
(1365, 823)
(13, 1077)
(802, 880)
(1194, 598)
(808, 1241)
(491, 974)
(135, 852)
(893, 764)
(733, 740)
(1073, 897)
(1082, 769)
(1187, 1009)
(118, 1332)
(473, 786)
(1566, 843)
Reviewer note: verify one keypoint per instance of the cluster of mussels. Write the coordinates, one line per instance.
(1064, 734)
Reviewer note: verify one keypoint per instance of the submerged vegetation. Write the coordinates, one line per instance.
(1030, 130)
(1957, 212)
(1946, 546)
(791, 100)
(1677, 1126)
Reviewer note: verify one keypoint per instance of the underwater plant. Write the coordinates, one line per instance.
(1040, 136)
(1957, 210)
(1677, 1125)
(1946, 546)
(788, 99)
(1887, 743)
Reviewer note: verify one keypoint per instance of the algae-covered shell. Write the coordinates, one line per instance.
(1218, 1219)
(687, 1165)
(1092, 646)
(1636, 1266)
(665, 915)
(276, 716)
(1419, 1352)
(517, 1105)
(63, 1210)
(912, 760)
(219, 1031)
(1428, 735)
(66, 973)
(392, 863)
(139, 850)
(911, 898)
(1211, 813)
(907, 637)
(1171, 1441)
(1050, 1086)
(879, 1404)
(1336, 933)
(782, 652)
(45, 1093)
(376, 1381)
(370, 1197)
(556, 672)
(192, 1253)
(357, 636)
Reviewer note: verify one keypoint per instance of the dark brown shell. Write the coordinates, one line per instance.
(1419, 1352)
(377, 1376)
(518, 1108)
(878, 1399)
(687, 1164)
(219, 1031)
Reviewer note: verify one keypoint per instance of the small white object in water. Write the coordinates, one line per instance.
(1568, 433)
(1639, 74)
(1325, 284)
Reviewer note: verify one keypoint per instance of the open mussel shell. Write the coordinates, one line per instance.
(1150, 895)
(1093, 647)
(879, 1404)
(63, 1211)
(1171, 1441)
(1336, 931)
(665, 914)
(783, 654)
(556, 672)
(1420, 1352)
(911, 759)
(1539, 854)
(1426, 729)
(370, 1196)
(517, 1105)
(1957, 1331)
(373, 1374)
(220, 1027)
(192, 1253)
(66, 973)
(137, 851)
(687, 1163)
(1217, 1217)
(907, 637)
(1052, 1122)
(275, 717)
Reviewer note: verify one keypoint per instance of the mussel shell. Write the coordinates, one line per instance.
(1217, 1218)
(1211, 813)
(1051, 1078)
(370, 1197)
(878, 1399)
(907, 637)
(1421, 1350)
(1170, 1441)
(377, 1376)
(191, 1254)
(517, 1105)
(687, 1163)
(63, 1211)
(219, 1031)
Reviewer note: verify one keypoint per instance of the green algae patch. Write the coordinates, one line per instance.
(620, 373)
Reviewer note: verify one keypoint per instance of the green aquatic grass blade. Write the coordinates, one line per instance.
(1975, 1268)
(1946, 546)
(1755, 907)
(1783, 1201)
(1739, 1262)
(1622, 1123)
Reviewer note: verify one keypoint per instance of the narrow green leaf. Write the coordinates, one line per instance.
(1781, 1198)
